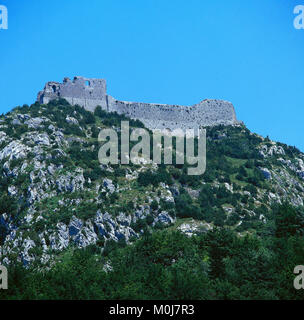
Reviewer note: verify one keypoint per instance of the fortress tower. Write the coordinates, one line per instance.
(85, 92)
(90, 93)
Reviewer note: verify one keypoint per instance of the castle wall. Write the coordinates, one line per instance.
(85, 92)
(89, 93)
(157, 116)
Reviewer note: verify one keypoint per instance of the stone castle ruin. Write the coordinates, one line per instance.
(90, 93)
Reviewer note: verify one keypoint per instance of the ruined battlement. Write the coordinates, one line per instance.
(90, 93)
(85, 92)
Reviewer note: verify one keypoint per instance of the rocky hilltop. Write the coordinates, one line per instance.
(55, 194)
(71, 228)
(90, 93)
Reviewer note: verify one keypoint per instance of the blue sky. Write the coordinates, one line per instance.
(166, 51)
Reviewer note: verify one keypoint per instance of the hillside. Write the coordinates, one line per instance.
(218, 235)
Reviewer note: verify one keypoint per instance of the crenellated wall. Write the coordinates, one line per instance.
(90, 93)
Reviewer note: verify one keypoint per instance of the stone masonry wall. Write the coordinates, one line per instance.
(89, 93)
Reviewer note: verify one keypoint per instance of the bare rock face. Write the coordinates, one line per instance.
(90, 93)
